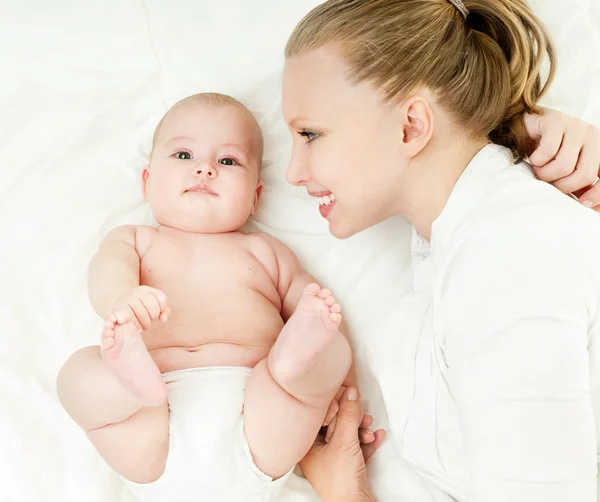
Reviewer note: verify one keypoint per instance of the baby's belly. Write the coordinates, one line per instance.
(190, 342)
(209, 354)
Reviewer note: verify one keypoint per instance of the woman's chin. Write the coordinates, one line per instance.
(340, 230)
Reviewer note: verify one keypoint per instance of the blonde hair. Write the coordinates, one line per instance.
(215, 99)
(485, 70)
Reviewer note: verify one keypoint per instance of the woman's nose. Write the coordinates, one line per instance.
(296, 173)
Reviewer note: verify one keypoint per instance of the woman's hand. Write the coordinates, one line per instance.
(329, 423)
(336, 469)
(566, 154)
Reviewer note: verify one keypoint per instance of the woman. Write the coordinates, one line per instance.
(418, 108)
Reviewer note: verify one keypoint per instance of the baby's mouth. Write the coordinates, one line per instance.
(202, 188)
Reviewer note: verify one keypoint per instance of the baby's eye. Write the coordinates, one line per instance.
(309, 135)
(228, 161)
(183, 155)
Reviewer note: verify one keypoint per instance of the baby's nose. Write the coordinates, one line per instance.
(208, 171)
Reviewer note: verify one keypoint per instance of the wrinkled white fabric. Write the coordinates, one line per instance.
(83, 85)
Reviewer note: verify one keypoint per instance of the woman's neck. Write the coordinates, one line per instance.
(432, 176)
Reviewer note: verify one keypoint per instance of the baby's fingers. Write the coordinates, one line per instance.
(164, 316)
(161, 298)
(141, 313)
(151, 304)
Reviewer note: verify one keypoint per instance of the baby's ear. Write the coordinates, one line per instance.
(145, 179)
(259, 188)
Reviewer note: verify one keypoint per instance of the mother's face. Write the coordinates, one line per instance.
(346, 142)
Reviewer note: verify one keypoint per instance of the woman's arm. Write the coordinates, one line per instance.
(513, 328)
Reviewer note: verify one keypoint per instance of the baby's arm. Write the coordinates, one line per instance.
(114, 280)
(114, 270)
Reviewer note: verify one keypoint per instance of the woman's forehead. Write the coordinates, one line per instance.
(314, 68)
(316, 83)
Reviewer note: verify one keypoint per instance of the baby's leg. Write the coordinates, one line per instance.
(115, 393)
(288, 393)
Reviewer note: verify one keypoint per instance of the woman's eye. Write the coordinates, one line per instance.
(227, 161)
(183, 155)
(309, 135)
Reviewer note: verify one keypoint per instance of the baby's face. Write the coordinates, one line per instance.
(203, 173)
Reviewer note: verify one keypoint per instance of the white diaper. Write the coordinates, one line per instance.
(209, 458)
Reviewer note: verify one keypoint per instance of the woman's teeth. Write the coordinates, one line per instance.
(326, 200)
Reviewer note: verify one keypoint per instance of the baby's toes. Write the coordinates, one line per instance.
(324, 293)
(312, 289)
(335, 318)
(335, 308)
(329, 301)
(108, 332)
(108, 341)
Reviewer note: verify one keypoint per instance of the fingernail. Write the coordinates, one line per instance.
(588, 204)
(351, 394)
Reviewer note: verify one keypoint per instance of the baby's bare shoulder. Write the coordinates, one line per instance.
(145, 235)
(268, 243)
(139, 237)
(275, 250)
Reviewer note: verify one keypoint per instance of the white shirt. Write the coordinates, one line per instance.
(492, 390)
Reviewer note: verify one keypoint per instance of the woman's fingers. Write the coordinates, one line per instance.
(367, 421)
(331, 412)
(365, 436)
(546, 131)
(562, 171)
(370, 448)
(330, 429)
(590, 160)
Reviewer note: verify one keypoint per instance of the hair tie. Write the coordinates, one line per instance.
(461, 7)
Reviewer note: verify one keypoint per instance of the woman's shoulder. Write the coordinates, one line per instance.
(518, 209)
(525, 247)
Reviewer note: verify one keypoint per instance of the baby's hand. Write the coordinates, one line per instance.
(142, 306)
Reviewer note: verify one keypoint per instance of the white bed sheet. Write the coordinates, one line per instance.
(83, 86)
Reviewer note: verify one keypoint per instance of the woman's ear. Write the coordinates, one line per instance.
(145, 179)
(417, 124)
(257, 194)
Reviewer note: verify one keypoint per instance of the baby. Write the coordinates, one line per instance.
(198, 389)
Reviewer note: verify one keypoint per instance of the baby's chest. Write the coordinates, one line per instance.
(203, 268)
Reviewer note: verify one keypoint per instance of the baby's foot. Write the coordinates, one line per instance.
(125, 353)
(314, 323)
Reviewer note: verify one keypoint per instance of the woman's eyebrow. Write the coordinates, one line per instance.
(295, 120)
